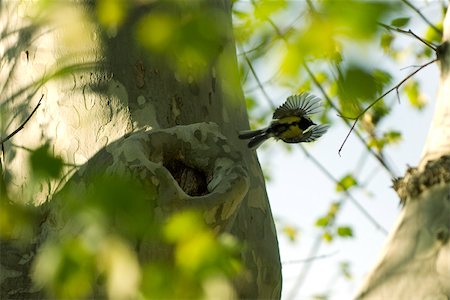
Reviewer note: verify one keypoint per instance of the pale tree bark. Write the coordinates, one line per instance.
(415, 263)
(117, 110)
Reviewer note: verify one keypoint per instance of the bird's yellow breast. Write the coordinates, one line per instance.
(292, 132)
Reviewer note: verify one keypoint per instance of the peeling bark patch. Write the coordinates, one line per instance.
(139, 74)
(415, 182)
(191, 181)
(175, 108)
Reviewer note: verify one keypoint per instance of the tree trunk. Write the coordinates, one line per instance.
(415, 263)
(117, 108)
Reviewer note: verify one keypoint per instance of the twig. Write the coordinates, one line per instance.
(422, 16)
(257, 80)
(409, 31)
(309, 259)
(23, 124)
(361, 208)
(327, 98)
(301, 277)
(396, 87)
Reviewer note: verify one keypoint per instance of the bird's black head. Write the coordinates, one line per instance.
(305, 123)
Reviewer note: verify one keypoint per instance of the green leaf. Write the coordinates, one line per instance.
(356, 19)
(432, 35)
(323, 221)
(412, 91)
(346, 182)
(291, 232)
(378, 112)
(334, 208)
(376, 143)
(381, 79)
(400, 22)
(267, 8)
(344, 231)
(112, 13)
(183, 225)
(327, 236)
(44, 163)
(386, 41)
(357, 84)
(345, 269)
(392, 136)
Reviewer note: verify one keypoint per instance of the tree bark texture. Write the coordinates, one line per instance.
(415, 263)
(117, 109)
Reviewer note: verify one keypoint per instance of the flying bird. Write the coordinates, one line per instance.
(291, 123)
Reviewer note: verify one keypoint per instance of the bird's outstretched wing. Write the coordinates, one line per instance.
(298, 105)
(314, 133)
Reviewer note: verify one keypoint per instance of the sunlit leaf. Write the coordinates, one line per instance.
(264, 9)
(431, 35)
(66, 269)
(346, 183)
(327, 236)
(156, 31)
(344, 231)
(183, 225)
(112, 13)
(415, 97)
(357, 19)
(291, 232)
(323, 221)
(334, 208)
(392, 136)
(376, 143)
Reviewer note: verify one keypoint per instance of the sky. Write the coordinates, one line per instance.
(299, 192)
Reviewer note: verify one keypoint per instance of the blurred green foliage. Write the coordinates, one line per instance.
(346, 182)
(93, 250)
(44, 164)
(190, 42)
(107, 224)
(327, 223)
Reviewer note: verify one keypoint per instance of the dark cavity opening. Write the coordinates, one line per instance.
(192, 181)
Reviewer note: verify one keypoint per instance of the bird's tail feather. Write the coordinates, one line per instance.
(248, 134)
(256, 141)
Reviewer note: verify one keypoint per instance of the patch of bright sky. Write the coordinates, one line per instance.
(299, 192)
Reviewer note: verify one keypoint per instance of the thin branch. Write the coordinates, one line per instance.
(301, 277)
(422, 16)
(352, 199)
(396, 87)
(327, 98)
(318, 241)
(309, 259)
(410, 32)
(23, 124)
(263, 90)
